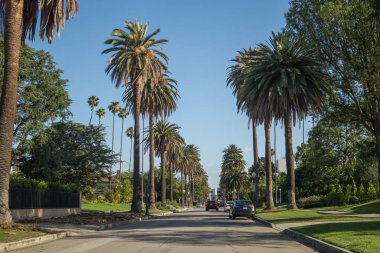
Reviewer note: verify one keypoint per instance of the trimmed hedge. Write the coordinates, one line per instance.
(18, 182)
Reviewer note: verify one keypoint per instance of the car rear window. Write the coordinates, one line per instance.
(210, 202)
(243, 203)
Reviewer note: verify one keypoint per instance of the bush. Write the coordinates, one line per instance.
(100, 199)
(89, 193)
(371, 192)
(19, 182)
(335, 199)
(312, 201)
(362, 194)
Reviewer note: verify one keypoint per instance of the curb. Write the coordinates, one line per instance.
(312, 242)
(5, 247)
(319, 245)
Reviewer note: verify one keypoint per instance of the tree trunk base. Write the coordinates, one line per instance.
(5, 215)
(273, 208)
(292, 207)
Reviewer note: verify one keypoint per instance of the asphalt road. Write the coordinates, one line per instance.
(188, 232)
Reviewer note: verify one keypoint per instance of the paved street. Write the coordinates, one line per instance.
(188, 232)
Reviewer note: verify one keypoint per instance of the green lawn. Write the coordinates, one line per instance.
(12, 235)
(107, 207)
(291, 216)
(104, 207)
(372, 207)
(360, 237)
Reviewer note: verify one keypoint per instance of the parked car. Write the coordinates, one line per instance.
(212, 204)
(228, 206)
(242, 208)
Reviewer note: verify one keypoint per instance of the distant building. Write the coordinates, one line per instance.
(281, 165)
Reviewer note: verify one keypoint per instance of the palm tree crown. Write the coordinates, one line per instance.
(100, 113)
(52, 17)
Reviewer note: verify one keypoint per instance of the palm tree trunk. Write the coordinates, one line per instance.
(255, 163)
(152, 190)
(163, 177)
(110, 169)
(12, 44)
(130, 157)
(171, 181)
(92, 111)
(192, 188)
(121, 144)
(99, 122)
(268, 166)
(290, 163)
(136, 201)
(182, 190)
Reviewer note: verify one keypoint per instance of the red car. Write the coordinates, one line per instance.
(212, 204)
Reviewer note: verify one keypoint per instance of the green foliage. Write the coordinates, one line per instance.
(100, 199)
(335, 199)
(362, 194)
(42, 95)
(371, 192)
(88, 192)
(68, 152)
(17, 181)
(312, 201)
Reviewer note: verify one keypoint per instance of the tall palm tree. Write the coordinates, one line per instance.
(235, 79)
(93, 102)
(190, 164)
(129, 133)
(100, 113)
(123, 113)
(114, 107)
(19, 19)
(289, 82)
(135, 57)
(158, 99)
(166, 136)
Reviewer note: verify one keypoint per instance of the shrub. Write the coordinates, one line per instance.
(335, 199)
(100, 199)
(371, 192)
(362, 194)
(312, 201)
(89, 193)
(19, 182)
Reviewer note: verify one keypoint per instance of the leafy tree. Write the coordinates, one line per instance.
(335, 154)
(19, 19)
(68, 152)
(136, 57)
(42, 95)
(101, 113)
(346, 36)
(93, 102)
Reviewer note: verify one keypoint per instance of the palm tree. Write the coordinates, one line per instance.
(100, 113)
(129, 133)
(287, 80)
(189, 163)
(136, 57)
(114, 107)
(166, 137)
(235, 79)
(232, 162)
(93, 102)
(123, 113)
(157, 100)
(19, 19)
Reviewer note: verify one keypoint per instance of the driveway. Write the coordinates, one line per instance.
(189, 232)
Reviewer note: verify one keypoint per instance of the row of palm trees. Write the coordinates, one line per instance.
(138, 64)
(281, 81)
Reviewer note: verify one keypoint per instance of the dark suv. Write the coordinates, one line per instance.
(212, 204)
(242, 208)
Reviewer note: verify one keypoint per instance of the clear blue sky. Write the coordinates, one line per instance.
(203, 36)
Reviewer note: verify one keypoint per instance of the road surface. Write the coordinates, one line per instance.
(189, 232)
